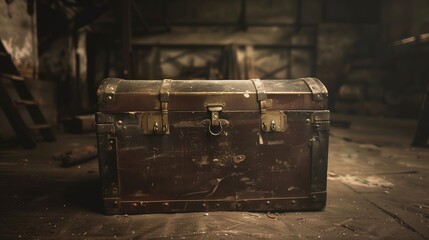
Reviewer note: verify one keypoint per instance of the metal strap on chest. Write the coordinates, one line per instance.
(164, 97)
(316, 90)
(271, 120)
(261, 94)
(164, 93)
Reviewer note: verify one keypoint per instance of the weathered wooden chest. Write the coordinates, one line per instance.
(208, 145)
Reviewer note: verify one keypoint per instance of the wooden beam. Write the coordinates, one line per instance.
(126, 38)
(242, 24)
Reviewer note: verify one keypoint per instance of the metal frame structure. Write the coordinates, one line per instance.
(231, 70)
(129, 7)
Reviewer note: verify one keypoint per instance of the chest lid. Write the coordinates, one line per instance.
(119, 95)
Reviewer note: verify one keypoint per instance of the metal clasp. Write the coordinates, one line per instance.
(215, 120)
(273, 121)
(154, 123)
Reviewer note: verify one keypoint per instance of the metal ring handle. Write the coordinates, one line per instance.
(215, 134)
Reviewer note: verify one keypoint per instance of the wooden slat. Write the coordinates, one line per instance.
(14, 117)
(26, 102)
(11, 77)
(40, 126)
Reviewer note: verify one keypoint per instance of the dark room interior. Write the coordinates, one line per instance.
(164, 148)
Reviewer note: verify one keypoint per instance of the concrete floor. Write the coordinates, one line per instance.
(378, 188)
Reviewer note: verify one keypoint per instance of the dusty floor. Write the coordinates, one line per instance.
(378, 188)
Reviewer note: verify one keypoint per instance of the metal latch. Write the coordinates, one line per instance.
(157, 122)
(154, 123)
(215, 115)
(273, 121)
(215, 120)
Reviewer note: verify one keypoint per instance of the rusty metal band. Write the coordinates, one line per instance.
(316, 90)
(164, 97)
(164, 93)
(261, 94)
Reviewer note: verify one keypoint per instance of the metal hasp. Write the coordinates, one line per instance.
(157, 122)
(215, 121)
(164, 95)
(271, 120)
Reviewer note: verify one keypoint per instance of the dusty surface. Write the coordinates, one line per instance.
(378, 188)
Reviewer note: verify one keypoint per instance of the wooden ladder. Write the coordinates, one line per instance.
(24, 132)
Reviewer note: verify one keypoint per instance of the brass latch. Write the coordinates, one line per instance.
(273, 121)
(154, 123)
(215, 120)
(157, 122)
(215, 115)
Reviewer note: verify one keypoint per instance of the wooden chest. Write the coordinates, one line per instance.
(209, 145)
